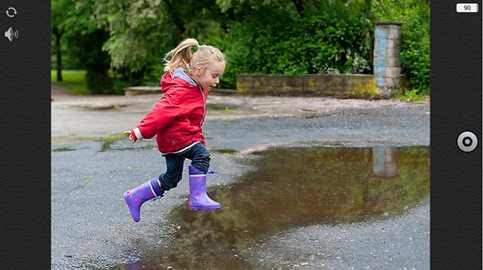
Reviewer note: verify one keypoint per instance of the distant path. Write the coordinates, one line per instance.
(58, 91)
(75, 116)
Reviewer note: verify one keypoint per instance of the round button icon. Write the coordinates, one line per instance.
(11, 12)
(467, 141)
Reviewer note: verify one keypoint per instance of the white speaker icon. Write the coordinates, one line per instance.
(11, 34)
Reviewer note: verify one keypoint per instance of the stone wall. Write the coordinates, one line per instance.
(141, 90)
(341, 86)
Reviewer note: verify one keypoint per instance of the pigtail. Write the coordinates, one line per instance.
(180, 56)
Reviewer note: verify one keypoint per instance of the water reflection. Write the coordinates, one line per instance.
(385, 161)
(292, 187)
(132, 266)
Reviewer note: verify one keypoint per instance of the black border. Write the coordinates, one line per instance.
(456, 106)
(25, 137)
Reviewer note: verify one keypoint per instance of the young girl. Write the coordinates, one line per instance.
(177, 121)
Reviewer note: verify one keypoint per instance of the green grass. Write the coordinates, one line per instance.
(74, 81)
(412, 95)
(108, 140)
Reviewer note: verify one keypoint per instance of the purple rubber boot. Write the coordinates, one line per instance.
(199, 200)
(135, 197)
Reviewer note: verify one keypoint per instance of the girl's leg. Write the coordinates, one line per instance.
(174, 171)
(154, 188)
(200, 162)
(135, 197)
(200, 157)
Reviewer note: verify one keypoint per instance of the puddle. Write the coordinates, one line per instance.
(63, 149)
(110, 143)
(288, 188)
(107, 143)
(107, 146)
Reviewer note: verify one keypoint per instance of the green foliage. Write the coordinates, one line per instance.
(71, 20)
(334, 37)
(69, 60)
(236, 47)
(98, 82)
(143, 31)
(118, 86)
(95, 60)
(130, 38)
(75, 83)
(412, 95)
(84, 40)
(414, 16)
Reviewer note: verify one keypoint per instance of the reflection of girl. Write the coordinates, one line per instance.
(177, 121)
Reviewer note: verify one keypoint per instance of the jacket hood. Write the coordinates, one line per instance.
(176, 78)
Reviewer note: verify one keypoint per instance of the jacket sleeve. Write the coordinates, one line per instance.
(160, 116)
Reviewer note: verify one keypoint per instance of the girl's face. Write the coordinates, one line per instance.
(209, 75)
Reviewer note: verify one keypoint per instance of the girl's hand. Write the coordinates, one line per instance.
(131, 135)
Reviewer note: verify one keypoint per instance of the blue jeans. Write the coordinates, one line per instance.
(200, 159)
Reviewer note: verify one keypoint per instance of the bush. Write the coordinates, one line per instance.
(271, 40)
(333, 37)
(236, 48)
(118, 87)
(98, 82)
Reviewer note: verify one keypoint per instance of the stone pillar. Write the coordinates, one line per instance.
(387, 68)
(385, 161)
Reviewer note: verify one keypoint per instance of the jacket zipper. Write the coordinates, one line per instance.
(204, 106)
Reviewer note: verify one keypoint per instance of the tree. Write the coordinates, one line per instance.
(85, 40)
(137, 30)
(60, 9)
(143, 31)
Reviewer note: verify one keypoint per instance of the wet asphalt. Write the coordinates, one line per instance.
(91, 227)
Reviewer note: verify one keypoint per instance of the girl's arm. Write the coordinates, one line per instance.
(158, 118)
(161, 115)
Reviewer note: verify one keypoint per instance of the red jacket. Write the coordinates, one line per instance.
(177, 118)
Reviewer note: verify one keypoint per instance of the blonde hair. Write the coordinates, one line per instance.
(184, 57)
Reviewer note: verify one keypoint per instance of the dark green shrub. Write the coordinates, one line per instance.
(333, 37)
(87, 48)
(118, 87)
(98, 82)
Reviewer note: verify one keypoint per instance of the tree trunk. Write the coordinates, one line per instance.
(175, 17)
(370, 15)
(299, 5)
(58, 52)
